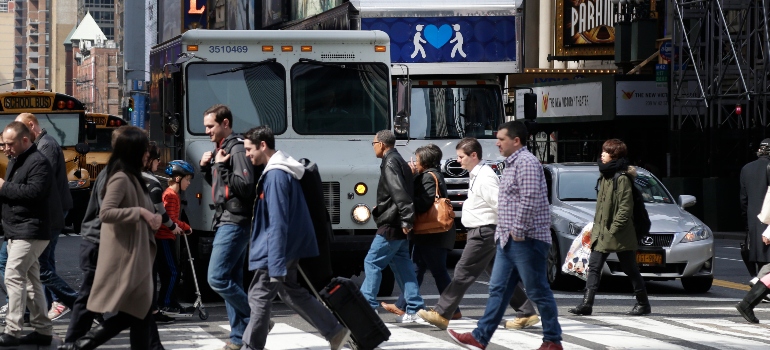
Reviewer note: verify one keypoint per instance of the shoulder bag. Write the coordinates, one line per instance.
(439, 218)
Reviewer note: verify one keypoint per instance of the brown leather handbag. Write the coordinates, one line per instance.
(439, 218)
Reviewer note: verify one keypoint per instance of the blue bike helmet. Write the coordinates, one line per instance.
(179, 168)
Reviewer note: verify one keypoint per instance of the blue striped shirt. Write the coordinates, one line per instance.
(523, 209)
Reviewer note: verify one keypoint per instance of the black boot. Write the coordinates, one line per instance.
(752, 299)
(95, 337)
(587, 306)
(642, 306)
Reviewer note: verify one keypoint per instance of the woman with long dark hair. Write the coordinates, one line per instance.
(613, 230)
(123, 280)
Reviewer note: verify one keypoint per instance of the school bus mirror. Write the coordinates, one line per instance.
(83, 148)
(403, 98)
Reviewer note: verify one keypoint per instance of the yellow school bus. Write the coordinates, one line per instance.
(63, 117)
(99, 140)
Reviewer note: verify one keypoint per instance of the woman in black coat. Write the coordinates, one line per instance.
(429, 251)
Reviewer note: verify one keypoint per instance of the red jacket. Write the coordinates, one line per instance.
(173, 209)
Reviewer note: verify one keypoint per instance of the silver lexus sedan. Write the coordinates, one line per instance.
(679, 244)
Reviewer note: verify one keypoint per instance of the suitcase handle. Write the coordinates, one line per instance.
(307, 280)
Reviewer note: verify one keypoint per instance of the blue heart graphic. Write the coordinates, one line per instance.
(437, 37)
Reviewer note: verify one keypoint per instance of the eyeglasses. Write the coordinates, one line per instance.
(373, 142)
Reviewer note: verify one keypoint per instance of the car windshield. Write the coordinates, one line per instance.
(63, 127)
(256, 94)
(339, 99)
(581, 186)
(455, 112)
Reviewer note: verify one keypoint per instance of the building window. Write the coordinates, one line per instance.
(3, 5)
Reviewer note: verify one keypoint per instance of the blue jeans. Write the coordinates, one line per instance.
(520, 261)
(55, 287)
(3, 262)
(395, 254)
(225, 276)
(431, 258)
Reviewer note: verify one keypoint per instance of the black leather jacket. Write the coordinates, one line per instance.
(395, 193)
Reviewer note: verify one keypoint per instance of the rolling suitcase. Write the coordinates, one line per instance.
(343, 297)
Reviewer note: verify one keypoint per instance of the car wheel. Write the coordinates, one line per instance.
(556, 278)
(699, 284)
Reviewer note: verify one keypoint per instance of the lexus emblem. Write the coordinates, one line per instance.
(454, 169)
(647, 240)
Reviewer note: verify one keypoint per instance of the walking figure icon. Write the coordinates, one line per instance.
(418, 41)
(458, 39)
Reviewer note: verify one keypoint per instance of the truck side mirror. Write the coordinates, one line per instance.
(403, 106)
(91, 131)
(82, 148)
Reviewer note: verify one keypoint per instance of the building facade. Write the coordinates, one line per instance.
(103, 12)
(6, 44)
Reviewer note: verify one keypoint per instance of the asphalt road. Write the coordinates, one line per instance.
(672, 308)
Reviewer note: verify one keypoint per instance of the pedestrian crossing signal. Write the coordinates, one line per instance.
(130, 104)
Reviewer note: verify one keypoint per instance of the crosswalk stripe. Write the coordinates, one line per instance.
(184, 338)
(726, 327)
(508, 338)
(285, 337)
(405, 338)
(698, 337)
(612, 338)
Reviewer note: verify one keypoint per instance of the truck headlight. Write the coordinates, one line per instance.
(361, 213)
(78, 183)
(576, 227)
(697, 233)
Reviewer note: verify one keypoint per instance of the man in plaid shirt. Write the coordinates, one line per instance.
(524, 240)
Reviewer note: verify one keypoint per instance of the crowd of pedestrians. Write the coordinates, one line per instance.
(131, 223)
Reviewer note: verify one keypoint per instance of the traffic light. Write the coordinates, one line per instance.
(130, 104)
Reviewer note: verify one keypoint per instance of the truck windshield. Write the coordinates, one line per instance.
(62, 126)
(337, 99)
(455, 112)
(256, 95)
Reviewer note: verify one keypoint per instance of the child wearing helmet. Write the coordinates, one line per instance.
(180, 173)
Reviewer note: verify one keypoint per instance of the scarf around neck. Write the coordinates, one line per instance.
(609, 169)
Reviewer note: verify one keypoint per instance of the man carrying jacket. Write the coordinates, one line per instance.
(61, 295)
(24, 194)
(394, 215)
(230, 174)
(281, 234)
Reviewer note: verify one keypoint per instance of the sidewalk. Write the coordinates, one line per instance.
(735, 235)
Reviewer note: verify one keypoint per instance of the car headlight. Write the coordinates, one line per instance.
(576, 227)
(361, 213)
(697, 233)
(78, 183)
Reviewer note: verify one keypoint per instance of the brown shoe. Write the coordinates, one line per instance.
(392, 308)
(522, 322)
(457, 316)
(433, 318)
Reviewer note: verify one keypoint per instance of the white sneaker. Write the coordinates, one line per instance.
(3, 310)
(407, 318)
(57, 311)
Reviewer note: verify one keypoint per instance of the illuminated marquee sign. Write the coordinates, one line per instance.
(585, 27)
(194, 14)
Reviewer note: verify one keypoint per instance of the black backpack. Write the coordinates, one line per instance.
(318, 268)
(642, 221)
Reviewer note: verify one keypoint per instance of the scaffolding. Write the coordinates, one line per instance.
(719, 85)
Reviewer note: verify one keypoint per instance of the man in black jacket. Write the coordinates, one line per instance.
(231, 176)
(394, 215)
(60, 295)
(24, 194)
(754, 182)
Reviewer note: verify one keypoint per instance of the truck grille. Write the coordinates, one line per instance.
(656, 240)
(332, 200)
(94, 170)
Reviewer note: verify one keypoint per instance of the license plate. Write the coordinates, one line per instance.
(650, 259)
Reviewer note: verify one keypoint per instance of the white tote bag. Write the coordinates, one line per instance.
(764, 214)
